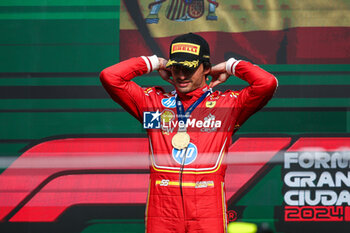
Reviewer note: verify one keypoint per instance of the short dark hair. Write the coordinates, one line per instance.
(206, 65)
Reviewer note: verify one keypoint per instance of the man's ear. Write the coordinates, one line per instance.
(207, 70)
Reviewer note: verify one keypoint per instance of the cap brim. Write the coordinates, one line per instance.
(189, 64)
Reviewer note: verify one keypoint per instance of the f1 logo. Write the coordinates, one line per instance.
(151, 120)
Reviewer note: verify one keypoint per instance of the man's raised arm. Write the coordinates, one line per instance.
(116, 80)
(262, 86)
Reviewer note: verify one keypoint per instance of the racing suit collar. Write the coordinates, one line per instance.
(189, 98)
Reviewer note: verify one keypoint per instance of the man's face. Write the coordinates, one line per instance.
(187, 80)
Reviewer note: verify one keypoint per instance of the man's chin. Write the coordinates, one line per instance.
(184, 89)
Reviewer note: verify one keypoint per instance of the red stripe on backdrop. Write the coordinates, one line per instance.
(66, 191)
(246, 161)
(314, 45)
(48, 158)
(319, 45)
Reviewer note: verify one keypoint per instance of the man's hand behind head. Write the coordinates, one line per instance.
(219, 74)
(163, 71)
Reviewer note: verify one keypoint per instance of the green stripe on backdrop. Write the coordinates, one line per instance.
(11, 149)
(308, 68)
(333, 79)
(48, 104)
(49, 10)
(58, 15)
(66, 81)
(314, 79)
(297, 122)
(115, 226)
(43, 104)
(59, 32)
(309, 102)
(41, 125)
(60, 47)
(68, 42)
(55, 9)
(57, 58)
(298, 79)
(38, 125)
(59, 2)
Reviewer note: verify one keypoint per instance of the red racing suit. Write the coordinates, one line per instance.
(198, 203)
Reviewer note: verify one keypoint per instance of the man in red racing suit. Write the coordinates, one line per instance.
(188, 197)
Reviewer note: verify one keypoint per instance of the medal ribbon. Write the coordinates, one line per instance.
(182, 115)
